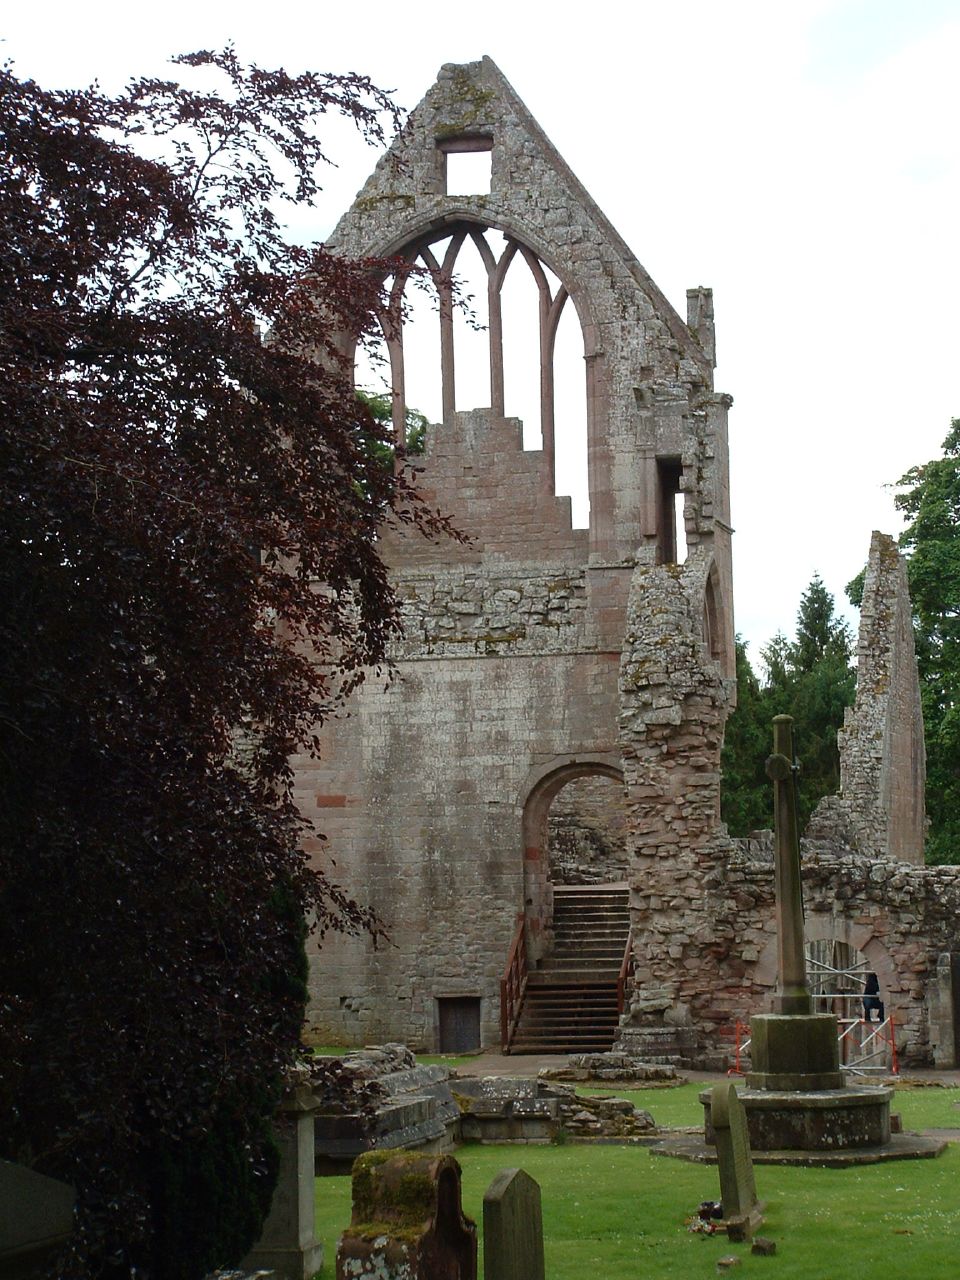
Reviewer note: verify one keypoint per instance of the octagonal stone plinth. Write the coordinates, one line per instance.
(792, 1051)
(826, 1120)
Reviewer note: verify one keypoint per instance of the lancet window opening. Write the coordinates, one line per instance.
(441, 268)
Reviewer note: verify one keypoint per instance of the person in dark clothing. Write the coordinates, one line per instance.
(871, 998)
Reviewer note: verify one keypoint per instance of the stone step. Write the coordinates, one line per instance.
(571, 1002)
(602, 951)
(580, 920)
(578, 930)
(563, 1044)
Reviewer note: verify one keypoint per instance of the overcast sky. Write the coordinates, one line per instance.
(802, 160)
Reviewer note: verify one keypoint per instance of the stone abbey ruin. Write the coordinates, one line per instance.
(538, 656)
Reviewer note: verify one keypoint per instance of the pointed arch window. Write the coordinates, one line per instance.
(438, 254)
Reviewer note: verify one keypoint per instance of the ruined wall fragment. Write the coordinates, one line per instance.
(674, 702)
(880, 809)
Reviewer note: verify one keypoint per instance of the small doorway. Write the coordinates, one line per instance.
(458, 1024)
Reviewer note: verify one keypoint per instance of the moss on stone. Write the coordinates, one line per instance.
(365, 203)
(468, 99)
(398, 1201)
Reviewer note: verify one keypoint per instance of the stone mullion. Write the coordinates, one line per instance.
(548, 442)
(495, 298)
(494, 323)
(447, 363)
(445, 296)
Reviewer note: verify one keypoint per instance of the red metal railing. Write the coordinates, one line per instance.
(627, 966)
(513, 985)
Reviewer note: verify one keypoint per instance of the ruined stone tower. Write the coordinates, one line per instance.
(534, 653)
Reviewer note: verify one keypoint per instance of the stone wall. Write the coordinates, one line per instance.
(716, 961)
(588, 833)
(880, 808)
(534, 654)
(433, 793)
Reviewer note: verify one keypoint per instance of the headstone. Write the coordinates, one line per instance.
(512, 1228)
(36, 1220)
(407, 1221)
(738, 1192)
(288, 1245)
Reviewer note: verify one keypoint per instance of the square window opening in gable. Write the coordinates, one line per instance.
(468, 165)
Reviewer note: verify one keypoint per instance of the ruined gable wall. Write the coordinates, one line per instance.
(646, 370)
(510, 660)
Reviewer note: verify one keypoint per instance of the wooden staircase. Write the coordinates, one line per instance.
(571, 1002)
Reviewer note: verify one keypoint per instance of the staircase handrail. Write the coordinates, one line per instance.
(513, 985)
(627, 966)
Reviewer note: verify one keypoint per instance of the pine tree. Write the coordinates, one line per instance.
(809, 678)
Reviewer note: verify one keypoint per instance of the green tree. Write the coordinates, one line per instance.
(930, 501)
(380, 407)
(820, 634)
(745, 798)
(809, 678)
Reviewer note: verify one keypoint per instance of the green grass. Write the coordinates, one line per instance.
(931, 1107)
(618, 1213)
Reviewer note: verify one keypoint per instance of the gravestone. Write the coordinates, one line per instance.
(512, 1228)
(288, 1245)
(407, 1221)
(36, 1220)
(738, 1192)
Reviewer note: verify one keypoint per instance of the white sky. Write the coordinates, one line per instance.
(802, 160)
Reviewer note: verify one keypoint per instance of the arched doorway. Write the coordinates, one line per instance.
(577, 916)
(543, 788)
(587, 832)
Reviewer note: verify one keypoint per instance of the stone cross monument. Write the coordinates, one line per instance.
(791, 1048)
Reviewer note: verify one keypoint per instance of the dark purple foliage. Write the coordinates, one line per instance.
(173, 489)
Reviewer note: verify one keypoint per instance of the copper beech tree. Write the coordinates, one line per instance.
(174, 487)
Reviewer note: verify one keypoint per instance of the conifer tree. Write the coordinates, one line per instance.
(809, 678)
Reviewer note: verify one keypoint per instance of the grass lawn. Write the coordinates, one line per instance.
(618, 1213)
(931, 1107)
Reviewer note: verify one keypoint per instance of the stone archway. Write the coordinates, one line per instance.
(541, 787)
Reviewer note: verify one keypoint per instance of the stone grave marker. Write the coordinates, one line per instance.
(512, 1228)
(742, 1212)
(288, 1246)
(407, 1221)
(36, 1220)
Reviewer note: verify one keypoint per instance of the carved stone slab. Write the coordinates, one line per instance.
(512, 1228)
(738, 1191)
